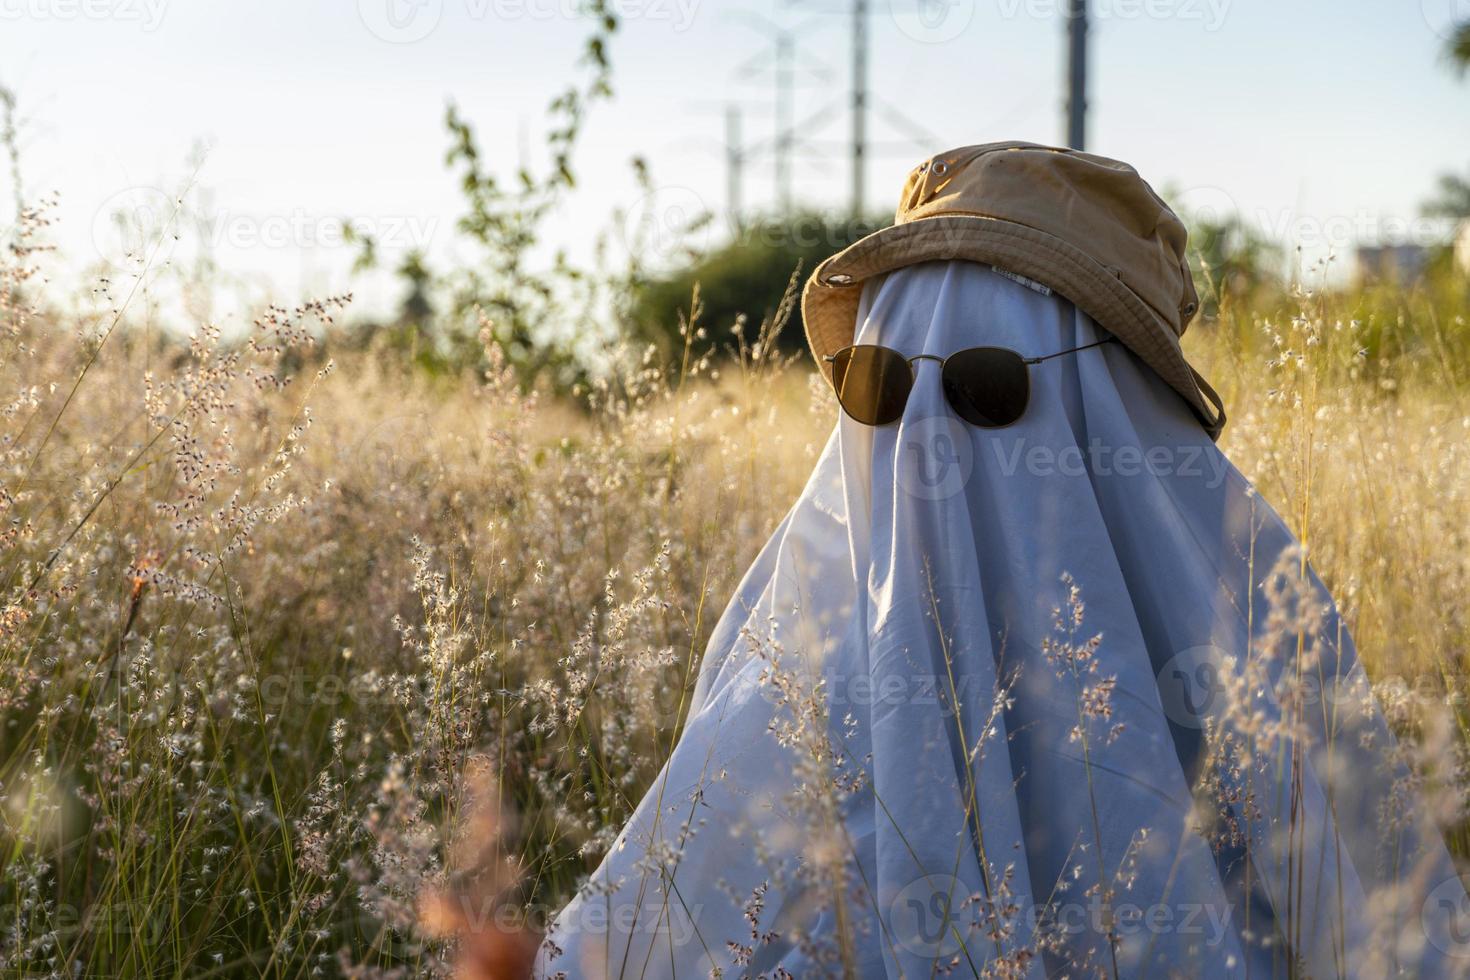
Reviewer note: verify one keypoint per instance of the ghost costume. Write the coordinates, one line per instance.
(1009, 702)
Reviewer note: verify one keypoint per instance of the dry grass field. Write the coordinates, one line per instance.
(304, 653)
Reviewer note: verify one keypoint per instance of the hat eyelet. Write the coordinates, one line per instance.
(838, 279)
(1189, 310)
(939, 168)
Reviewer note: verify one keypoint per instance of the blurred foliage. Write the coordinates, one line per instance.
(741, 283)
(1458, 48)
(497, 278)
(1419, 326)
(556, 321)
(1451, 198)
(1232, 262)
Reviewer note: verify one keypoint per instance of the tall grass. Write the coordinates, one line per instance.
(310, 663)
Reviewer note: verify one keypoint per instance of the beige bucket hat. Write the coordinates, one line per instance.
(1088, 227)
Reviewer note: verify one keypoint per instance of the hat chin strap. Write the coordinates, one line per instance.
(1215, 426)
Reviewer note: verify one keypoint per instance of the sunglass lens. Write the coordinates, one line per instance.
(872, 383)
(987, 386)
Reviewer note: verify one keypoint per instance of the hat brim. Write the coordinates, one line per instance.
(829, 303)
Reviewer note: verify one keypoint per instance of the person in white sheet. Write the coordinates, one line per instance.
(1016, 689)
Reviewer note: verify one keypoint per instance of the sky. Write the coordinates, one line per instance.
(1323, 122)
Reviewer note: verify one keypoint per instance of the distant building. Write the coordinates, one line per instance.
(1392, 263)
(1462, 248)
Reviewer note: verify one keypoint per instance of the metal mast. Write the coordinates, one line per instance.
(1077, 75)
(859, 103)
(734, 161)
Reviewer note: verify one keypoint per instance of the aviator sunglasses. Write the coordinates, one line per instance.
(986, 386)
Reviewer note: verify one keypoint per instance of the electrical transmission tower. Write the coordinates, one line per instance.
(781, 59)
(789, 136)
(860, 101)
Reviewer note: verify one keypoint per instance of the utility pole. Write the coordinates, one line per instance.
(859, 103)
(734, 161)
(1077, 75)
(785, 91)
